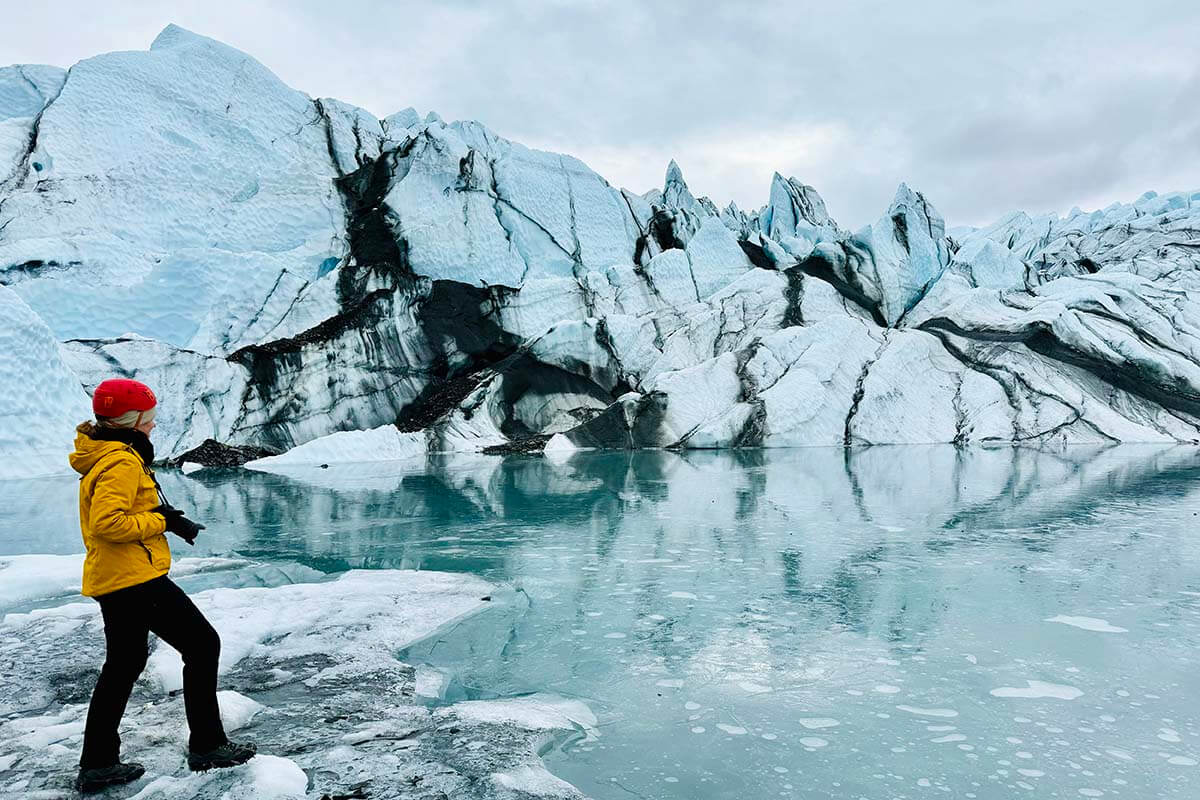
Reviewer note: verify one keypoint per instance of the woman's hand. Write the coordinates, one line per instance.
(178, 524)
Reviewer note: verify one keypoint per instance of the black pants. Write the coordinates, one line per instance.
(129, 615)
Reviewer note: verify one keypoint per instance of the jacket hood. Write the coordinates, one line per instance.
(89, 451)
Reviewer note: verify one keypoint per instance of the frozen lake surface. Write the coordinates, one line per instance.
(888, 622)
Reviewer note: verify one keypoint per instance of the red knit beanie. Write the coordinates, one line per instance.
(116, 397)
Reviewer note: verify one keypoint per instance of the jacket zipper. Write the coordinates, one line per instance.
(146, 469)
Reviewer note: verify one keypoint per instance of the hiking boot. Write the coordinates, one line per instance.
(99, 779)
(229, 754)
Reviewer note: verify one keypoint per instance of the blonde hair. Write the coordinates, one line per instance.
(130, 419)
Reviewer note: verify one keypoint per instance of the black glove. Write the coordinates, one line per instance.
(178, 524)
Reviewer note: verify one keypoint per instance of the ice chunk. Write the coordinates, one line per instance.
(34, 577)
(264, 777)
(929, 712)
(236, 709)
(816, 723)
(1039, 689)
(533, 712)
(369, 614)
(1088, 624)
(535, 781)
(37, 577)
(385, 443)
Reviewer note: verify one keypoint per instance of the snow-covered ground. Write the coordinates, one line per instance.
(311, 676)
(40, 577)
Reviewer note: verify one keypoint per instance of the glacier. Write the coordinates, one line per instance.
(282, 269)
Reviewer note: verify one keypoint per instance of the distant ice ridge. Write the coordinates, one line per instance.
(283, 269)
(334, 706)
(41, 400)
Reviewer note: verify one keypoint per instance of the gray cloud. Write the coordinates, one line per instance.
(985, 106)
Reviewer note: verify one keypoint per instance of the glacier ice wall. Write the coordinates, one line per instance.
(283, 268)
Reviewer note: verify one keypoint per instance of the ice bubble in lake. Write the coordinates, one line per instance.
(732, 730)
(884, 688)
(683, 596)
(1039, 689)
(813, 742)
(1088, 624)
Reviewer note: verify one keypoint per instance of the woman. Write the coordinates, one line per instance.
(123, 516)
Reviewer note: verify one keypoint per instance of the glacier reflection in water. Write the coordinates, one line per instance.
(871, 623)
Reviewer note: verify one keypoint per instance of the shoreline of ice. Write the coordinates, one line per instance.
(308, 670)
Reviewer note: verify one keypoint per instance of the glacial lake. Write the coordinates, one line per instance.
(888, 622)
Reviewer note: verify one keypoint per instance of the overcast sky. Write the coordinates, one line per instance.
(984, 106)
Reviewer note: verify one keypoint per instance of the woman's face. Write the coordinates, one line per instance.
(145, 427)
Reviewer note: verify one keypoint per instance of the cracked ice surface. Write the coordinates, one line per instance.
(315, 682)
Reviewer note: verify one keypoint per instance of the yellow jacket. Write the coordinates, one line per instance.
(124, 540)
